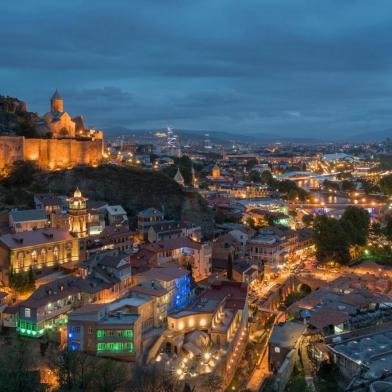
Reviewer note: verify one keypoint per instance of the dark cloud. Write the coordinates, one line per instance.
(292, 67)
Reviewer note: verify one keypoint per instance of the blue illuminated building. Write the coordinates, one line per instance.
(182, 295)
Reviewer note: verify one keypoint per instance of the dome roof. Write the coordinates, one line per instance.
(77, 193)
(56, 95)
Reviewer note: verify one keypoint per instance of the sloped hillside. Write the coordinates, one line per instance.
(134, 189)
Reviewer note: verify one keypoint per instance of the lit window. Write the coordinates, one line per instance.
(56, 253)
(43, 256)
(277, 349)
(20, 260)
(34, 257)
(27, 312)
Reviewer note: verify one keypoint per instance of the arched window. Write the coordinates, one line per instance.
(34, 257)
(69, 251)
(56, 253)
(20, 260)
(43, 256)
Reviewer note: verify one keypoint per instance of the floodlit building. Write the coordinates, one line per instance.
(209, 335)
(146, 218)
(106, 330)
(41, 250)
(194, 256)
(172, 282)
(27, 220)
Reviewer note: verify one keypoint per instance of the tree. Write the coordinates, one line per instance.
(386, 184)
(185, 165)
(266, 178)
(388, 228)
(30, 280)
(187, 388)
(332, 242)
(308, 220)
(75, 369)
(331, 185)
(109, 375)
(251, 222)
(22, 282)
(16, 364)
(368, 187)
(348, 186)
(356, 221)
(153, 379)
(254, 176)
(250, 164)
(21, 174)
(212, 383)
(293, 195)
(293, 213)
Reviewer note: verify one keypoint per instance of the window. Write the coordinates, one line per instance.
(34, 257)
(27, 312)
(20, 260)
(277, 349)
(43, 256)
(56, 253)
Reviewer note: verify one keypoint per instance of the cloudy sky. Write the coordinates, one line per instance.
(287, 67)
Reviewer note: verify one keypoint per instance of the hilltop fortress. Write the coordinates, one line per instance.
(60, 141)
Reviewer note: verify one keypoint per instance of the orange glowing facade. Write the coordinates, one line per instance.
(78, 216)
(216, 172)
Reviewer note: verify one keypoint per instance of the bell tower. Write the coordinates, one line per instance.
(78, 216)
(56, 103)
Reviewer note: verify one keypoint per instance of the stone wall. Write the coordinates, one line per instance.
(285, 371)
(50, 153)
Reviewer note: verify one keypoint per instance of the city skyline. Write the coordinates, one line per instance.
(292, 70)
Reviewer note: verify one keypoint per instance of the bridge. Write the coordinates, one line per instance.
(339, 205)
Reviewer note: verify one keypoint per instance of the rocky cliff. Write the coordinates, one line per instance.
(15, 119)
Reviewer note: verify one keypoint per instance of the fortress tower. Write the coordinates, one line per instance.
(56, 103)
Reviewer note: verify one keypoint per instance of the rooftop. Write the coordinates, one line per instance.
(28, 215)
(116, 210)
(174, 243)
(149, 212)
(286, 335)
(374, 351)
(166, 272)
(35, 237)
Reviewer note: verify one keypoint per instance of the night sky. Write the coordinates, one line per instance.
(286, 67)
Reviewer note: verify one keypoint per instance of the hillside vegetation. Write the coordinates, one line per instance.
(134, 189)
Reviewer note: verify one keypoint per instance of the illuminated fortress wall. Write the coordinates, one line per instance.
(50, 153)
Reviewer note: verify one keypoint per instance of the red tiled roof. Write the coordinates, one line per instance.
(325, 317)
(174, 243)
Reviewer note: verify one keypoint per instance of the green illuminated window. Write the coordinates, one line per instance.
(115, 347)
(128, 333)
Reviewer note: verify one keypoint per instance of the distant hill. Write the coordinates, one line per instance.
(371, 137)
(134, 189)
(216, 136)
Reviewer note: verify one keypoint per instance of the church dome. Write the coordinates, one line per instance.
(77, 193)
